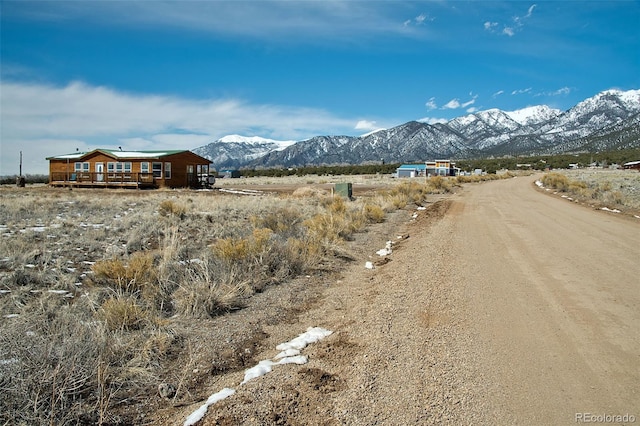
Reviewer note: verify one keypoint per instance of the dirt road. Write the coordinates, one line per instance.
(504, 306)
(555, 292)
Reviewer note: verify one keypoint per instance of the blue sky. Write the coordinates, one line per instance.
(179, 74)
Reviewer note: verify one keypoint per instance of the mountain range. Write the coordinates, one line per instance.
(607, 121)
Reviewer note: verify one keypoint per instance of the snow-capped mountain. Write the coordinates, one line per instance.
(234, 151)
(608, 120)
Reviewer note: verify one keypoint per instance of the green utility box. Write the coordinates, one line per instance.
(344, 190)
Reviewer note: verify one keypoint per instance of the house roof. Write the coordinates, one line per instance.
(118, 154)
(413, 166)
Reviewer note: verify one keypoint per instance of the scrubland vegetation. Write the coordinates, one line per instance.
(613, 189)
(101, 291)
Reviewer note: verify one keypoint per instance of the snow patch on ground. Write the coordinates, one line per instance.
(289, 354)
(606, 209)
(241, 192)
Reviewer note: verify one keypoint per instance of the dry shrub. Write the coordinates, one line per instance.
(398, 200)
(151, 349)
(199, 296)
(373, 213)
(304, 254)
(123, 313)
(238, 249)
(556, 180)
(231, 249)
(408, 192)
(284, 220)
(614, 198)
(48, 369)
(439, 184)
(260, 240)
(138, 276)
(308, 191)
(172, 208)
(469, 179)
(327, 227)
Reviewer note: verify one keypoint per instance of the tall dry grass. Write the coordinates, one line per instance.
(97, 288)
(600, 188)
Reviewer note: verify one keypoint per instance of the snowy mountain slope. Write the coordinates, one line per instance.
(234, 151)
(534, 115)
(622, 135)
(532, 130)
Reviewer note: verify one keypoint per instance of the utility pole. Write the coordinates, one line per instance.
(20, 181)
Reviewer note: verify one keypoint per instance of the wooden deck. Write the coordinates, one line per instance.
(103, 180)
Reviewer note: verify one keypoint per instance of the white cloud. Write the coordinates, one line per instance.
(431, 104)
(510, 29)
(418, 20)
(470, 102)
(521, 91)
(472, 110)
(562, 91)
(490, 25)
(452, 104)
(432, 120)
(498, 93)
(455, 103)
(530, 11)
(366, 125)
(49, 120)
(308, 20)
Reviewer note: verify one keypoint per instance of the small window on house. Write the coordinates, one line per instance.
(144, 167)
(190, 169)
(157, 170)
(127, 167)
(82, 167)
(167, 170)
(111, 167)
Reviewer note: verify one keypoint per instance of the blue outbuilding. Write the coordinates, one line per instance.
(411, 170)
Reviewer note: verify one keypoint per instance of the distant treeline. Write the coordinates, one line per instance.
(29, 179)
(489, 165)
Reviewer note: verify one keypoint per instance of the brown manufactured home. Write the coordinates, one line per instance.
(132, 169)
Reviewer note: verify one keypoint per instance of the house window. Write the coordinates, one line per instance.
(121, 167)
(167, 170)
(82, 167)
(144, 167)
(157, 169)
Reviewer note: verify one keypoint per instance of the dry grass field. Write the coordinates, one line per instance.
(116, 304)
(107, 295)
(617, 190)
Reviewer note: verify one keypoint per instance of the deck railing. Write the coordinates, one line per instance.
(94, 178)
